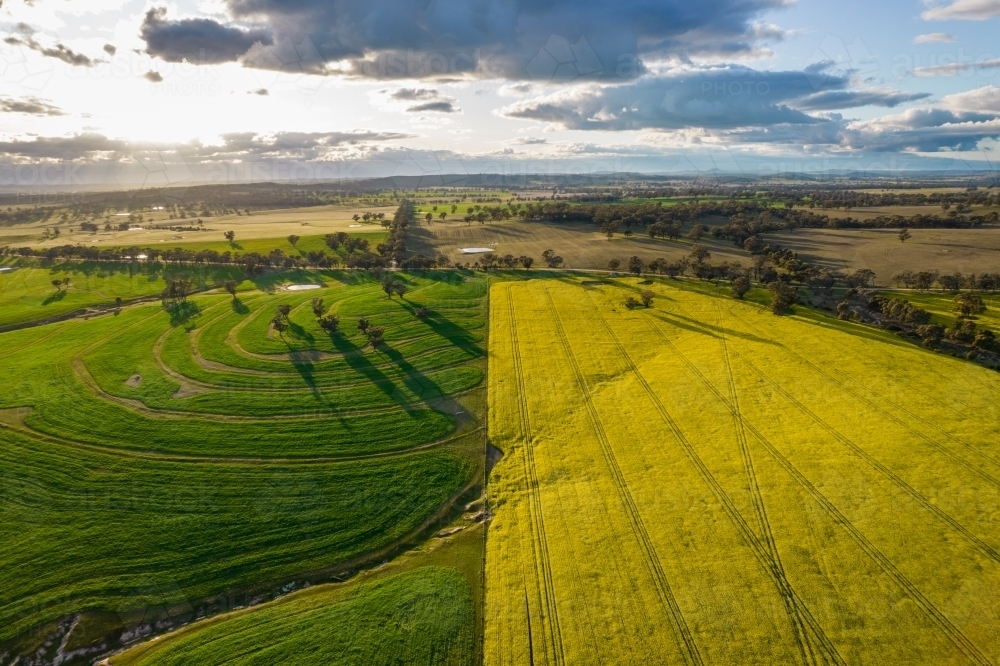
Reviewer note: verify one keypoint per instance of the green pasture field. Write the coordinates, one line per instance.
(137, 472)
(422, 608)
(306, 243)
(418, 617)
(27, 294)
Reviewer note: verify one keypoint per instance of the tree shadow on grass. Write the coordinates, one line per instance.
(54, 298)
(303, 364)
(355, 358)
(451, 331)
(301, 333)
(240, 307)
(419, 383)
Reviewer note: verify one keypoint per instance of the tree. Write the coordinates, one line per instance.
(364, 324)
(332, 241)
(741, 286)
(230, 286)
(526, 262)
(280, 324)
(697, 231)
(931, 334)
(969, 305)
(230, 236)
(391, 286)
(950, 282)
(904, 235)
(821, 279)
(176, 290)
(614, 265)
(700, 254)
(329, 323)
(754, 245)
(924, 279)
(635, 265)
(783, 296)
(284, 309)
(552, 259)
(421, 313)
(862, 277)
(317, 306)
(631, 303)
(387, 285)
(647, 298)
(57, 284)
(293, 239)
(904, 278)
(376, 336)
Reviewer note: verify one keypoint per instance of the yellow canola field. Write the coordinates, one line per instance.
(704, 483)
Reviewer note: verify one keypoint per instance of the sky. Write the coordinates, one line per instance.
(154, 92)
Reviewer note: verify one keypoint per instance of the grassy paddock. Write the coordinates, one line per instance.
(420, 608)
(138, 479)
(27, 294)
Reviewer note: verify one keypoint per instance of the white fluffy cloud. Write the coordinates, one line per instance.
(966, 10)
(934, 38)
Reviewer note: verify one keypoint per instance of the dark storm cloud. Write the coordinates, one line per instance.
(715, 98)
(527, 39)
(199, 41)
(718, 98)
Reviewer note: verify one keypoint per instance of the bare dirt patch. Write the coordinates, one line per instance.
(135, 381)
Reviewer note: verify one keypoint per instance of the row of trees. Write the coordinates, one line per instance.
(747, 218)
(924, 280)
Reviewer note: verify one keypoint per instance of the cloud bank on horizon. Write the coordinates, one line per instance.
(371, 79)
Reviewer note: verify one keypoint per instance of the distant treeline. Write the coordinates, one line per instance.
(826, 197)
(359, 254)
(747, 217)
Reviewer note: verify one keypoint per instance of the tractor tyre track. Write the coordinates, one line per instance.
(688, 647)
(540, 549)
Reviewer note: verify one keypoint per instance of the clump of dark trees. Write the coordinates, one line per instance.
(963, 338)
